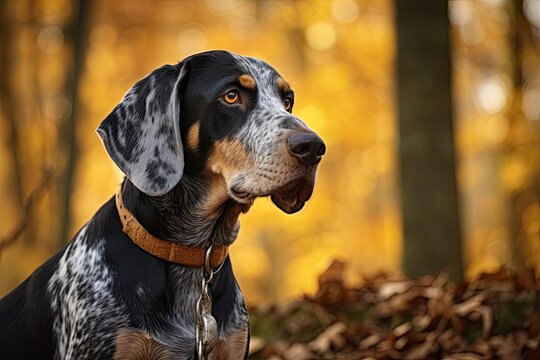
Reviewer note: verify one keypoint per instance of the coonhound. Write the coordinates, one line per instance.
(198, 142)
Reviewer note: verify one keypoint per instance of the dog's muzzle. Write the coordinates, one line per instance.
(307, 148)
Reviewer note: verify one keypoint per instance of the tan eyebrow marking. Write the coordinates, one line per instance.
(193, 136)
(247, 81)
(282, 84)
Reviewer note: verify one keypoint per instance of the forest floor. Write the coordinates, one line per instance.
(495, 316)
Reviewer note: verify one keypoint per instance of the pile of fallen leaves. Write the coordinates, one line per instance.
(496, 316)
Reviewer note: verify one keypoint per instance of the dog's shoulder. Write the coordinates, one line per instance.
(102, 282)
(138, 279)
(26, 310)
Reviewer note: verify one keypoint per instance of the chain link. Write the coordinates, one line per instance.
(206, 327)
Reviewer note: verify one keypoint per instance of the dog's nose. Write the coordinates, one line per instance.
(306, 147)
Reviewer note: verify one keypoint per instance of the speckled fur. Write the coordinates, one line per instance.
(87, 315)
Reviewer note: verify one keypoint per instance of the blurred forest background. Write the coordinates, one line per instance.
(66, 63)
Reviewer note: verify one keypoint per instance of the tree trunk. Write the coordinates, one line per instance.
(429, 200)
(523, 43)
(77, 34)
(7, 99)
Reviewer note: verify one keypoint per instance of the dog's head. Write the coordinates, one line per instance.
(219, 115)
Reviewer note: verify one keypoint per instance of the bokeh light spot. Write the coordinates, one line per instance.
(345, 11)
(490, 94)
(51, 39)
(191, 40)
(530, 103)
(321, 36)
(57, 107)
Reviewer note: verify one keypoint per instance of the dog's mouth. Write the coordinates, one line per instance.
(292, 197)
(241, 196)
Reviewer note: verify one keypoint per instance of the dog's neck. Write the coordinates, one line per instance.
(197, 212)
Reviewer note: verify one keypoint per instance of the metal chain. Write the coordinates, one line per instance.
(206, 327)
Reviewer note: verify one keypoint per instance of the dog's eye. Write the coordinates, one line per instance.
(231, 97)
(287, 103)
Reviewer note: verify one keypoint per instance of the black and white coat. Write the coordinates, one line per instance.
(198, 142)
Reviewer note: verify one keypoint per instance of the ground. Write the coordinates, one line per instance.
(495, 316)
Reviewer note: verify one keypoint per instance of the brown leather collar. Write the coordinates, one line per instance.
(163, 249)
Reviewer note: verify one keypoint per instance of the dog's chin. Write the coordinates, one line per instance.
(286, 205)
(292, 197)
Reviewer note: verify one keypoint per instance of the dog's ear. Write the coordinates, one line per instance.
(142, 133)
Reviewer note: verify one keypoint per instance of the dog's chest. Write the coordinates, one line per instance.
(93, 320)
(132, 344)
(175, 337)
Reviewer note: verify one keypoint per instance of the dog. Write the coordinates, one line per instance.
(198, 142)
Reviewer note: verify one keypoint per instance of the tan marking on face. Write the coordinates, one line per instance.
(192, 137)
(134, 344)
(247, 81)
(282, 84)
(232, 347)
(216, 196)
(228, 156)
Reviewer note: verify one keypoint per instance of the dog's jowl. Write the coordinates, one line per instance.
(198, 142)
